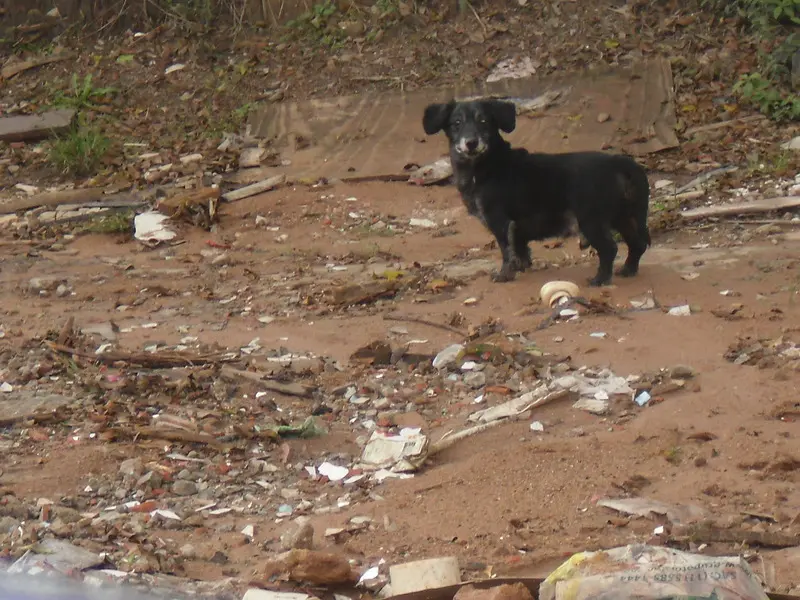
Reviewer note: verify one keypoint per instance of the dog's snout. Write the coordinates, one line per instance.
(471, 144)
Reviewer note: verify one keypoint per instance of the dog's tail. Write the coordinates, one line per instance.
(636, 190)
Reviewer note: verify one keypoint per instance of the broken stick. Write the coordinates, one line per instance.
(743, 208)
(255, 188)
(420, 321)
(162, 360)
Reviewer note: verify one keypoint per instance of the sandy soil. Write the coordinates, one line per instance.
(509, 500)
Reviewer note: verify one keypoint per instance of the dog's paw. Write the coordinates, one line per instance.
(503, 275)
(599, 281)
(626, 271)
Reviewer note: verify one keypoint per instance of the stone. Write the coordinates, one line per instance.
(515, 591)
(311, 566)
(184, 488)
(37, 285)
(793, 144)
(8, 524)
(682, 372)
(131, 467)
(300, 536)
(475, 379)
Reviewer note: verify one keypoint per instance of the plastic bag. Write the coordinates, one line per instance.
(643, 572)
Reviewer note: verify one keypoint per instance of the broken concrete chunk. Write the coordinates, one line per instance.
(424, 575)
(32, 128)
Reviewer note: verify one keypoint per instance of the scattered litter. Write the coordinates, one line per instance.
(333, 472)
(651, 573)
(594, 406)
(150, 228)
(512, 68)
(399, 453)
(598, 334)
(447, 356)
(554, 293)
(368, 575)
(432, 173)
(54, 554)
(6, 387)
(680, 311)
(643, 398)
(537, 426)
(424, 223)
(174, 68)
(646, 302)
(678, 514)
(249, 531)
(540, 396)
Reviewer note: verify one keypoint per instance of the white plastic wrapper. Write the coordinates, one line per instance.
(649, 572)
(50, 587)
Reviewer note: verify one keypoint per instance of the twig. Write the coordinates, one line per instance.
(475, 12)
(448, 440)
(590, 304)
(420, 321)
(146, 360)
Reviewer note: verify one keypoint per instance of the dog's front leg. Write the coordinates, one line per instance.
(501, 227)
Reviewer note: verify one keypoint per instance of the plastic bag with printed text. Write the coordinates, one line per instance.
(649, 572)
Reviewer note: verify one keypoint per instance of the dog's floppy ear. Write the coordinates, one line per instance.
(503, 113)
(436, 117)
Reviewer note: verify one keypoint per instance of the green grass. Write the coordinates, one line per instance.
(82, 95)
(118, 222)
(78, 153)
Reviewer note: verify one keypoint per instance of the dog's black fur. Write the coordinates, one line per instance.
(521, 196)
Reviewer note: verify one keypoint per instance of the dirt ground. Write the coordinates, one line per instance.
(507, 500)
(155, 403)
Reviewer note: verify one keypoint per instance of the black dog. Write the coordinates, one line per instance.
(521, 196)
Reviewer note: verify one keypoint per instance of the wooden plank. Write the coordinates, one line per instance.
(80, 196)
(743, 208)
(256, 188)
(32, 128)
(14, 68)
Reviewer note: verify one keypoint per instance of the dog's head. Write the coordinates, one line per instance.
(471, 127)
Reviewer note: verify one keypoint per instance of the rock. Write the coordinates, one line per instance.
(603, 117)
(151, 480)
(131, 467)
(475, 379)
(38, 285)
(352, 28)
(311, 566)
(793, 144)
(682, 372)
(188, 551)
(300, 536)
(184, 488)
(515, 591)
(62, 291)
(7, 525)
(251, 157)
(448, 356)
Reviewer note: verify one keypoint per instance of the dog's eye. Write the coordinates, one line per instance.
(457, 123)
(482, 120)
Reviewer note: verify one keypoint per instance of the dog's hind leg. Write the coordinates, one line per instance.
(630, 231)
(602, 240)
